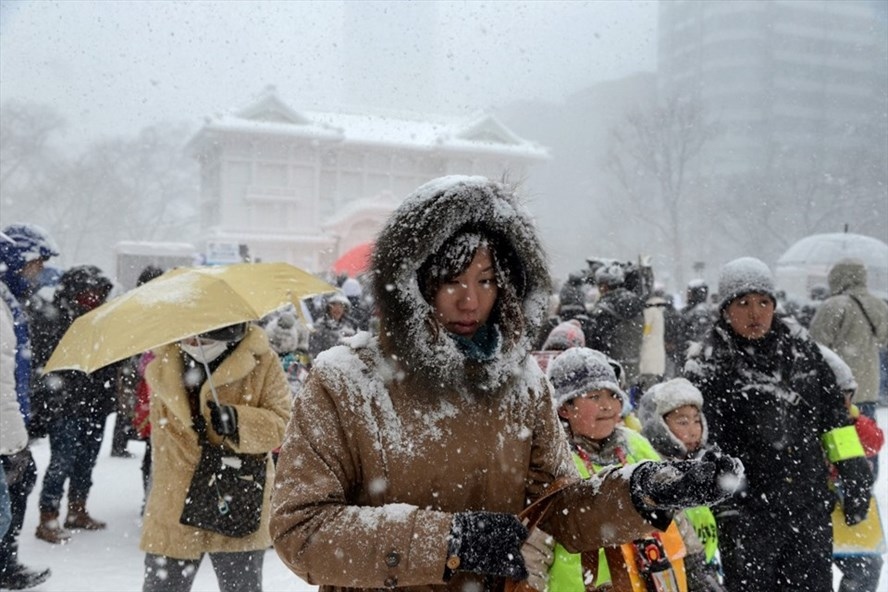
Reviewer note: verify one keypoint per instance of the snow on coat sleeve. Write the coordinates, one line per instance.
(325, 538)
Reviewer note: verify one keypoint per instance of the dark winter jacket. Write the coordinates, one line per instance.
(769, 402)
(617, 327)
(68, 392)
(854, 324)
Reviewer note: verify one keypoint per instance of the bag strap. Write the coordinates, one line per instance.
(865, 314)
(531, 516)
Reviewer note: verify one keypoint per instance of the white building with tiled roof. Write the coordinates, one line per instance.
(305, 186)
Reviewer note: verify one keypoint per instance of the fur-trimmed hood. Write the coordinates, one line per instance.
(662, 399)
(418, 229)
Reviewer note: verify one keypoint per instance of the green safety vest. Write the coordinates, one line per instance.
(566, 573)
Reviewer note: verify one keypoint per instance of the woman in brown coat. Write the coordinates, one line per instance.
(408, 457)
(253, 392)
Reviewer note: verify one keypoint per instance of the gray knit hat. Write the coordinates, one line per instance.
(579, 370)
(743, 276)
(662, 399)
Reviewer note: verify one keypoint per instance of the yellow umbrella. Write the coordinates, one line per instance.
(180, 303)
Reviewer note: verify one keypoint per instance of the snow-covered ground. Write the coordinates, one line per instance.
(110, 560)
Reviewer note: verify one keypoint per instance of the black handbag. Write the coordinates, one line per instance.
(226, 490)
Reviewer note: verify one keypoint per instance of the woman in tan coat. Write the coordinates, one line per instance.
(408, 457)
(254, 398)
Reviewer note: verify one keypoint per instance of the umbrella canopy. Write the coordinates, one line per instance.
(180, 303)
(355, 261)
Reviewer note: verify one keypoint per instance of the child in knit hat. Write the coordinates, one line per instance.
(672, 419)
(590, 404)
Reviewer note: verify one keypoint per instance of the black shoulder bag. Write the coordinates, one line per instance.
(226, 490)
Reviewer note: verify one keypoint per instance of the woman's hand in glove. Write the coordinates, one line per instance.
(538, 552)
(224, 419)
(675, 485)
(487, 543)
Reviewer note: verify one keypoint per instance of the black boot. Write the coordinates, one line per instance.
(19, 577)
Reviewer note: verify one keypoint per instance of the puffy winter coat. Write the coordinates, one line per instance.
(392, 436)
(68, 393)
(13, 436)
(250, 379)
(769, 402)
(854, 324)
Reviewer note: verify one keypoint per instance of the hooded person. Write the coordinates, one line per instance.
(771, 400)
(358, 309)
(671, 416)
(334, 326)
(24, 248)
(854, 323)
(409, 455)
(223, 388)
(71, 404)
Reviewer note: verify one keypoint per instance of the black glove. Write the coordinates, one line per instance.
(224, 418)
(487, 543)
(857, 482)
(675, 485)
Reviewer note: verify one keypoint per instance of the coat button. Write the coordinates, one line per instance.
(391, 582)
(392, 559)
(453, 562)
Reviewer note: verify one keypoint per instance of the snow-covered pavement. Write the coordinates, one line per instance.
(110, 560)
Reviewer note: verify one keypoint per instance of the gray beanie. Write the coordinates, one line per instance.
(844, 376)
(579, 370)
(662, 399)
(743, 276)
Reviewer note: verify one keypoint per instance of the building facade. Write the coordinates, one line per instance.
(304, 187)
(789, 81)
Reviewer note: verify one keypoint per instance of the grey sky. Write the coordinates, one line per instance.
(116, 66)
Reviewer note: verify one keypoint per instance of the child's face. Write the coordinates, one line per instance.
(686, 425)
(594, 414)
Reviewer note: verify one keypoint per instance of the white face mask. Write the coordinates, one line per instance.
(208, 351)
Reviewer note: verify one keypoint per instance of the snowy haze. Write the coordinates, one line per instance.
(115, 67)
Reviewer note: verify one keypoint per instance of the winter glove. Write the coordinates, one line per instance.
(702, 576)
(538, 552)
(20, 469)
(857, 482)
(224, 419)
(675, 485)
(487, 543)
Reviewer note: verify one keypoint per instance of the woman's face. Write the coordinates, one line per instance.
(594, 414)
(686, 425)
(750, 315)
(463, 302)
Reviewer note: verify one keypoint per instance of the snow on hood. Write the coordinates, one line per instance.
(657, 402)
(846, 274)
(418, 229)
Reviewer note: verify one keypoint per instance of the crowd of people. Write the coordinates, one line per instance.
(406, 424)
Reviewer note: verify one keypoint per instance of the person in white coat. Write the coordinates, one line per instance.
(13, 435)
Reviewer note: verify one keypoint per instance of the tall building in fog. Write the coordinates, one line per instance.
(789, 81)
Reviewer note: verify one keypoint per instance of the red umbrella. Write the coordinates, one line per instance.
(355, 261)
